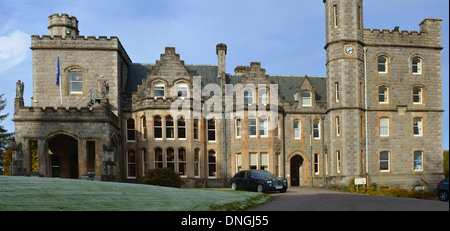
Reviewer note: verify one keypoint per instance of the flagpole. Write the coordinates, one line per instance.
(59, 82)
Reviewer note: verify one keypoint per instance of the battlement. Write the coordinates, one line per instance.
(63, 25)
(79, 42)
(429, 36)
(394, 31)
(69, 114)
(64, 19)
(79, 37)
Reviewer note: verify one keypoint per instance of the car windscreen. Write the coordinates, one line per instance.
(262, 174)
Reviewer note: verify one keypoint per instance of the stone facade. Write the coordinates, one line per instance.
(366, 119)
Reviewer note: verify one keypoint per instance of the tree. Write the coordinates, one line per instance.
(4, 135)
(7, 158)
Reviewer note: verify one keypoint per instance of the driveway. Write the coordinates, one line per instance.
(316, 199)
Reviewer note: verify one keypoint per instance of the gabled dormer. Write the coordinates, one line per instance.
(168, 78)
(306, 93)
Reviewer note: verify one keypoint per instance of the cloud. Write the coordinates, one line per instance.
(13, 49)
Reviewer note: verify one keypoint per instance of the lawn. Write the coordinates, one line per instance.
(54, 194)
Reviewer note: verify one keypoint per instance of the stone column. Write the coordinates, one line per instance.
(82, 158)
(42, 153)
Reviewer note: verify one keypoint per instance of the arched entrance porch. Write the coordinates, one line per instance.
(63, 156)
(298, 169)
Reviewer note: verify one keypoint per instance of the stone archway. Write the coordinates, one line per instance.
(63, 156)
(296, 163)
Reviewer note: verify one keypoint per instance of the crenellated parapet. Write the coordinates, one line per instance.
(65, 114)
(111, 43)
(63, 25)
(429, 36)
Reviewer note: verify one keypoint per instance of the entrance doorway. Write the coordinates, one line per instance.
(63, 153)
(296, 163)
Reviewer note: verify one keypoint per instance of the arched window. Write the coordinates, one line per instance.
(144, 128)
(159, 158)
(182, 161)
(181, 124)
(197, 162)
(169, 128)
(383, 95)
(170, 158)
(212, 163)
(157, 127)
(248, 97)
(382, 64)
(306, 99)
(131, 136)
(416, 65)
(263, 97)
(418, 161)
(158, 89)
(182, 90)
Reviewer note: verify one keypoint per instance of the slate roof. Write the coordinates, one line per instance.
(287, 84)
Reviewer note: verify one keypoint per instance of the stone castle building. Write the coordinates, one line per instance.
(376, 115)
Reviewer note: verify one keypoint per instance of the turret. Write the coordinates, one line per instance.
(63, 25)
(344, 20)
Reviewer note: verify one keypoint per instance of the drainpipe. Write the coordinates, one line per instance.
(284, 151)
(310, 150)
(224, 130)
(323, 150)
(365, 114)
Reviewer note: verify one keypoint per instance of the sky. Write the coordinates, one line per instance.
(286, 36)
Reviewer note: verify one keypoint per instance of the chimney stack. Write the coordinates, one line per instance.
(221, 51)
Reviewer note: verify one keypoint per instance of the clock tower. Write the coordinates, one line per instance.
(345, 86)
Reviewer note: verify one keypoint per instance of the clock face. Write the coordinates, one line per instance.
(349, 50)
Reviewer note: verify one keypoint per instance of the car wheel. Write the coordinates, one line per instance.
(283, 191)
(443, 195)
(233, 186)
(259, 188)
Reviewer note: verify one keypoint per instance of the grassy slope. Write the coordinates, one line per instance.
(34, 193)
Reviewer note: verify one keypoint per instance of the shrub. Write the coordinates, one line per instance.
(162, 177)
(7, 158)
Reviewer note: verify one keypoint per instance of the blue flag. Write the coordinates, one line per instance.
(57, 73)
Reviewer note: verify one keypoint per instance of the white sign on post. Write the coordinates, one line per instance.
(360, 181)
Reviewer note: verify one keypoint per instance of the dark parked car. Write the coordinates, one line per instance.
(258, 180)
(443, 190)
